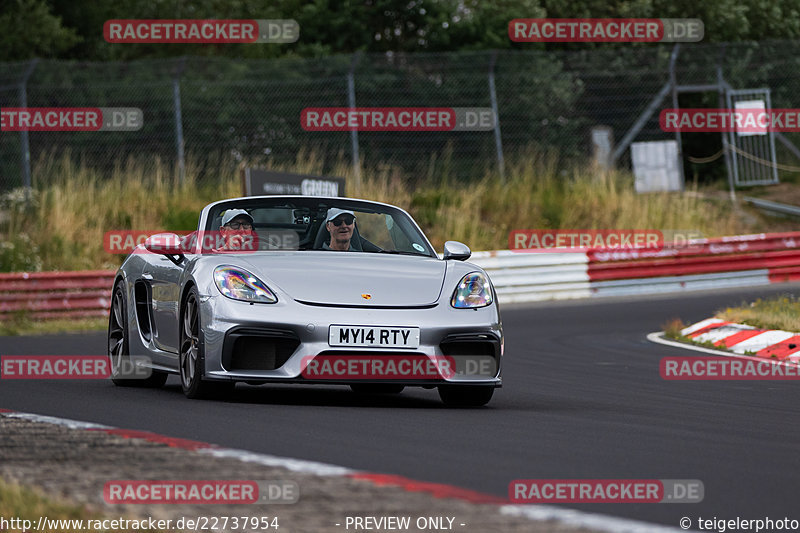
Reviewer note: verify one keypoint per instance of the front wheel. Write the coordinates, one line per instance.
(192, 357)
(465, 395)
(122, 372)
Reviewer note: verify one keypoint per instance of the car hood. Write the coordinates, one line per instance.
(354, 279)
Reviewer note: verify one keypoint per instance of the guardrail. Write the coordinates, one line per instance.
(525, 277)
(43, 295)
(745, 260)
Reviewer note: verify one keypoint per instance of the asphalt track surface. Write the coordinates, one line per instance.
(582, 398)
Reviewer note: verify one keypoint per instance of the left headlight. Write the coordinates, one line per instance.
(473, 291)
(239, 284)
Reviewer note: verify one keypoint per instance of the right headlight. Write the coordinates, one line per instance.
(473, 291)
(239, 284)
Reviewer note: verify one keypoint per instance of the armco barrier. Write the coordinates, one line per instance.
(526, 277)
(741, 261)
(42, 295)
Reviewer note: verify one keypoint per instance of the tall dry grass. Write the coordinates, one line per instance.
(74, 205)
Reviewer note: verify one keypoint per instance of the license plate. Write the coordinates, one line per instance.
(374, 336)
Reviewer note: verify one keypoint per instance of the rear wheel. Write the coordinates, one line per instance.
(122, 372)
(192, 356)
(465, 395)
(376, 388)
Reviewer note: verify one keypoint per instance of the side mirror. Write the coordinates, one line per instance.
(164, 244)
(456, 250)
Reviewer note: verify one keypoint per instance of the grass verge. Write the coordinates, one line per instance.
(23, 326)
(777, 312)
(17, 501)
(672, 330)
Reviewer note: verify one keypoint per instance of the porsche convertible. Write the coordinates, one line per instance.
(324, 291)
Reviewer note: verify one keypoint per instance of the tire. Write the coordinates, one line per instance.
(465, 395)
(191, 360)
(376, 388)
(118, 345)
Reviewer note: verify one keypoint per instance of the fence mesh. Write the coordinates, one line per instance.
(236, 110)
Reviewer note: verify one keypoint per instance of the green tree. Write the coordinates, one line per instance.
(29, 29)
(724, 20)
(74, 28)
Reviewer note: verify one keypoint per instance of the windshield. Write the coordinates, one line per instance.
(322, 224)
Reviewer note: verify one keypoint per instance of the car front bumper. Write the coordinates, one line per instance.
(262, 343)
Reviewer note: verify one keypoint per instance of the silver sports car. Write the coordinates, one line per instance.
(311, 290)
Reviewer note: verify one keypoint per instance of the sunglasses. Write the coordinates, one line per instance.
(340, 220)
(243, 225)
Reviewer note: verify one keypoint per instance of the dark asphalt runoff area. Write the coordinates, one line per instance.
(582, 398)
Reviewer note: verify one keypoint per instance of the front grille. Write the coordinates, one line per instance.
(471, 344)
(473, 353)
(258, 349)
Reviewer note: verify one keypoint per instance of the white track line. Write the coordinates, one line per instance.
(571, 517)
(72, 424)
(295, 465)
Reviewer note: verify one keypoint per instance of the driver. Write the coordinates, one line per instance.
(236, 231)
(340, 224)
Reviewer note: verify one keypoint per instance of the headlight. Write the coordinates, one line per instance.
(239, 284)
(473, 291)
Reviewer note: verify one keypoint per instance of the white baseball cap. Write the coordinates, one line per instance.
(334, 212)
(230, 214)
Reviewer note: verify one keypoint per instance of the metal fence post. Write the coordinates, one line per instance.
(25, 146)
(351, 103)
(673, 79)
(176, 98)
(721, 97)
(501, 164)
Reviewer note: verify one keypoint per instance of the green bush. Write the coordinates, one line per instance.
(180, 219)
